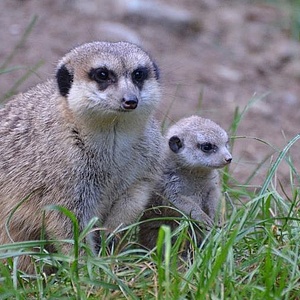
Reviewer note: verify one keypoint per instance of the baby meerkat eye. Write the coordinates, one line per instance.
(208, 147)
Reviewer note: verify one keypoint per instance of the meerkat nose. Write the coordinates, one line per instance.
(228, 159)
(130, 102)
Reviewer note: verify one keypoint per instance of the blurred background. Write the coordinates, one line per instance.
(235, 62)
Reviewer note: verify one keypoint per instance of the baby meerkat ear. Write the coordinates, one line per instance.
(64, 80)
(175, 143)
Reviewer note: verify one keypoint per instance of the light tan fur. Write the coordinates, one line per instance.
(86, 140)
(190, 181)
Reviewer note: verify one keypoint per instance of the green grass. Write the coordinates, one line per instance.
(26, 71)
(255, 255)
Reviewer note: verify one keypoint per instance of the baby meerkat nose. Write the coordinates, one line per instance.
(228, 159)
(129, 102)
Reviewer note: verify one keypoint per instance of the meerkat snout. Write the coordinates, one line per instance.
(224, 154)
(129, 101)
(228, 159)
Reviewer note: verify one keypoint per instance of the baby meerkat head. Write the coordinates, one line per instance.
(199, 143)
(108, 79)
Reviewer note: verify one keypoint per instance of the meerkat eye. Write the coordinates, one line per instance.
(208, 147)
(100, 74)
(139, 75)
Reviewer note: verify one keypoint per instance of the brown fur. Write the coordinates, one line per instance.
(86, 141)
(190, 181)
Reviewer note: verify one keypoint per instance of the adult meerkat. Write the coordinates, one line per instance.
(197, 147)
(86, 140)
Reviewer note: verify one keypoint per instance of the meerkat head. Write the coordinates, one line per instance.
(108, 79)
(196, 142)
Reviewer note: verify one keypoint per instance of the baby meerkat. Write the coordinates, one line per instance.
(86, 140)
(190, 180)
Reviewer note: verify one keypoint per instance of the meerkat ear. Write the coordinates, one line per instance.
(175, 143)
(156, 71)
(64, 80)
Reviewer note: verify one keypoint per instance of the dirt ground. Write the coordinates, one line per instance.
(214, 56)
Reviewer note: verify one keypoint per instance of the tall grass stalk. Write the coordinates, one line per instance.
(5, 68)
(255, 255)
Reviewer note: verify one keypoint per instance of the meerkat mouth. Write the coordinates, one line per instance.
(124, 110)
(130, 103)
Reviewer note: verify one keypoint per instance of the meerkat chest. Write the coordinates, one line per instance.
(116, 161)
(198, 184)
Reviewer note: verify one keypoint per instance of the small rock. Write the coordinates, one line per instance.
(172, 17)
(289, 98)
(228, 74)
(113, 32)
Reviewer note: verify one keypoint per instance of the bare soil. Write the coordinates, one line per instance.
(226, 54)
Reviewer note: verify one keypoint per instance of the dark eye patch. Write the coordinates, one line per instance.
(103, 77)
(139, 75)
(207, 147)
